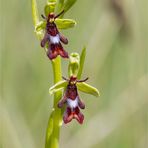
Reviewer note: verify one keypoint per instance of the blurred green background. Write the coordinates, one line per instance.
(115, 33)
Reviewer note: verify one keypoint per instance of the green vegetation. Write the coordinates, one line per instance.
(117, 57)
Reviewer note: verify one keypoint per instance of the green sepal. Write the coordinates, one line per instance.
(82, 59)
(68, 4)
(73, 64)
(61, 24)
(60, 6)
(86, 88)
(49, 7)
(40, 26)
(58, 86)
(65, 23)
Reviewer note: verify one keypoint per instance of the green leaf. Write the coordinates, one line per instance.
(35, 14)
(73, 64)
(40, 26)
(58, 86)
(60, 5)
(68, 4)
(49, 7)
(36, 19)
(49, 130)
(65, 23)
(82, 59)
(84, 87)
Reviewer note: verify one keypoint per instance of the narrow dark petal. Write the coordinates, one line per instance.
(65, 78)
(63, 39)
(59, 14)
(81, 105)
(43, 43)
(60, 104)
(62, 101)
(44, 40)
(83, 80)
(43, 16)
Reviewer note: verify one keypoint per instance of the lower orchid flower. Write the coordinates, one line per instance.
(71, 99)
(73, 102)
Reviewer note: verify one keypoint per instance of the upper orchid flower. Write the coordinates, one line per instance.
(50, 26)
(53, 38)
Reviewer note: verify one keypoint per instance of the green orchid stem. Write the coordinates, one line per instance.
(55, 120)
(56, 65)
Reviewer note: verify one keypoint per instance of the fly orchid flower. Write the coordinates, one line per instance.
(71, 86)
(49, 34)
(54, 38)
(72, 100)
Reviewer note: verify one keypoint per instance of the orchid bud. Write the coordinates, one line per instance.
(74, 64)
